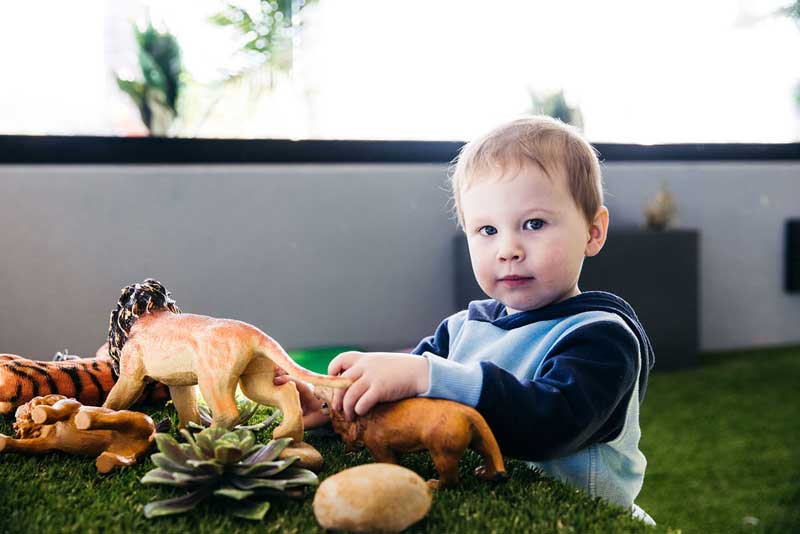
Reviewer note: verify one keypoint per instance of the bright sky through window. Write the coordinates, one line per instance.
(640, 72)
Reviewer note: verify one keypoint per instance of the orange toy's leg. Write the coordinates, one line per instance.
(382, 453)
(259, 387)
(220, 394)
(60, 411)
(185, 400)
(446, 463)
(124, 393)
(29, 446)
(108, 461)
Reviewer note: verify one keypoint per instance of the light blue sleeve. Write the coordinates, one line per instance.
(452, 380)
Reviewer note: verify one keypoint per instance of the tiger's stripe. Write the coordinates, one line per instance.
(87, 380)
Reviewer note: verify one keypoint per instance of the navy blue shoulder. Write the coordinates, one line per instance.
(494, 312)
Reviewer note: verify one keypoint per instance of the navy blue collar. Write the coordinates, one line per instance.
(495, 312)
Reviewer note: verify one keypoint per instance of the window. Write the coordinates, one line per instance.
(637, 72)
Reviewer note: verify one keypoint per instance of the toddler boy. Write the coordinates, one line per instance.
(557, 374)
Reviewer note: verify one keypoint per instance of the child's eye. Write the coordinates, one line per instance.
(533, 224)
(487, 230)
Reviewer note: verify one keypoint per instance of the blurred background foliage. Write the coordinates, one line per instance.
(156, 94)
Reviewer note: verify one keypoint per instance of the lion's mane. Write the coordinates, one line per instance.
(135, 300)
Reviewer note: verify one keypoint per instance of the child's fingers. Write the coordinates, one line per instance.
(367, 401)
(336, 401)
(280, 380)
(351, 397)
(343, 362)
(354, 373)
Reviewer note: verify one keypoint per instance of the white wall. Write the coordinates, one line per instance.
(338, 254)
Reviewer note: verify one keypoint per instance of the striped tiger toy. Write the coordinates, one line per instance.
(88, 380)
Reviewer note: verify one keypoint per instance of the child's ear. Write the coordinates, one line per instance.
(597, 232)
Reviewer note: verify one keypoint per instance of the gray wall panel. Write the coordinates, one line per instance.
(313, 255)
(338, 254)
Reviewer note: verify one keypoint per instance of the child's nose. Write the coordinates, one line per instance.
(510, 251)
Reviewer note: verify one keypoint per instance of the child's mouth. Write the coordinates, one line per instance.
(515, 281)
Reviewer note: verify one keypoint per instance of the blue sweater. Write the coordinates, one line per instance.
(549, 382)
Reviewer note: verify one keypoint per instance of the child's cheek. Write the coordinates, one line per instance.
(552, 265)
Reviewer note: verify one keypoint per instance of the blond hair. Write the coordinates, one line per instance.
(549, 143)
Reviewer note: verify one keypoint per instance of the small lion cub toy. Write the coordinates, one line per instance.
(445, 428)
(56, 423)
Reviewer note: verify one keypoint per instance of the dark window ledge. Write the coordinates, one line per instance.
(23, 149)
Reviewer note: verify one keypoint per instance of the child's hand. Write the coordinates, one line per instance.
(311, 405)
(377, 377)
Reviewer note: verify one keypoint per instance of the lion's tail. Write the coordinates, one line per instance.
(485, 443)
(272, 349)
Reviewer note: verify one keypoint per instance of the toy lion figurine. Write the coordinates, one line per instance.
(445, 428)
(151, 339)
(56, 423)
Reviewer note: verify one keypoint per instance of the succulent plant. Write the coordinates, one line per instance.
(247, 409)
(229, 464)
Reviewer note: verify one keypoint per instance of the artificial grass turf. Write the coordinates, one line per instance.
(60, 493)
(721, 442)
(718, 440)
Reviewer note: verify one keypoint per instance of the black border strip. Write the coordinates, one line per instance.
(22, 149)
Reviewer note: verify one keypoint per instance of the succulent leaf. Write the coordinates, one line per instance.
(170, 448)
(263, 469)
(207, 466)
(175, 506)
(255, 510)
(190, 441)
(246, 440)
(228, 453)
(257, 483)
(160, 476)
(206, 443)
(195, 478)
(247, 409)
(233, 493)
(163, 461)
(226, 464)
(194, 427)
(269, 452)
(298, 476)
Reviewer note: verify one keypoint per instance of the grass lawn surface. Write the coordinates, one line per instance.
(719, 440)
(722, 444)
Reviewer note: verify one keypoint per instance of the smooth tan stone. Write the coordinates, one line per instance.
(310, 458)
(372, 497)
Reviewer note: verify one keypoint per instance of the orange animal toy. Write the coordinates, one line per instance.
(152, 340)
(88, 380)
(56, 423)
(444, 428)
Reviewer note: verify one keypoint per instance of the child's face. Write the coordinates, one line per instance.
(527, 238)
